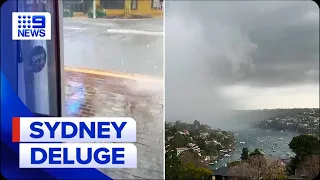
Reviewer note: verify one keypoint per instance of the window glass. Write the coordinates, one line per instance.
(134, 4)
(116, 4)
(38, 73)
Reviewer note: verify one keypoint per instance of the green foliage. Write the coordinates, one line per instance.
(245, 154)
(191, 172)
(176, 171)
(191, 166)
(170, 130)
(179, 141)
(202, 173)
(208, 149)
(67, 13)
(201, 143)
(278, 119)
(188, 171)
(304, 145)
(256, 152)
(173, 166)
(292, 165)
(100, 13)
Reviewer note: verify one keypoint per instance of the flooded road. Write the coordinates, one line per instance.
(129, 46)
(114, 68)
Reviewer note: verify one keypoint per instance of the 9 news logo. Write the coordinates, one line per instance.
(31, 26)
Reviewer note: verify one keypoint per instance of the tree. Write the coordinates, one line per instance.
(188, 171)
(245, 154)
(201, 143)
(242, 171)
(274, 170)
(171, 131)
(258, 164)
(196, 124)
(309, 166)
(178, 141)
(192, 157)
(304, 145)
(256, 152)
(202, 173)
(258, 167)
(292, 165)
(173, 166)
(191, 172)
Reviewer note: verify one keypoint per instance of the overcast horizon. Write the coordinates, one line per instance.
(240, 55)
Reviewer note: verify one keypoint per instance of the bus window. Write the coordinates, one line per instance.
(39, 78)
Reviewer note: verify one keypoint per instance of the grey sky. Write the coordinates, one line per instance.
(240, 55)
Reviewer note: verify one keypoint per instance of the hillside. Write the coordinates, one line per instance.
(305, 121)
(200, 137)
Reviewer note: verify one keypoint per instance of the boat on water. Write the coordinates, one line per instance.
(242, 142)
(280, 138)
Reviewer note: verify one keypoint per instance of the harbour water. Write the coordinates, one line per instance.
(272, 143)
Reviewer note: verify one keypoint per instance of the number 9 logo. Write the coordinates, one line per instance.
(40, 21)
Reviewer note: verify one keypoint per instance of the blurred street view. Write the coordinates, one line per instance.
(114, 67)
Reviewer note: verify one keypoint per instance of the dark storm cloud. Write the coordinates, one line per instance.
(210, 44)
(269, 43)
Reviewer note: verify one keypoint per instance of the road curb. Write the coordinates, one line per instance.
(122, 75)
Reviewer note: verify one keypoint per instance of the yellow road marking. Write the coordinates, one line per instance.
(114, 74)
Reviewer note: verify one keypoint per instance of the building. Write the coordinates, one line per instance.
(180, 150)
(186, 132)
(142, 8)
(223, 174)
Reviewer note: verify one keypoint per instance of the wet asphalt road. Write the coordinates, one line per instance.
(130, 46)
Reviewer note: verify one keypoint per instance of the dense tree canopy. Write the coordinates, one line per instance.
(245, 154)
(256, 152)
(304, 145)
(173, 166)
(306, 148)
